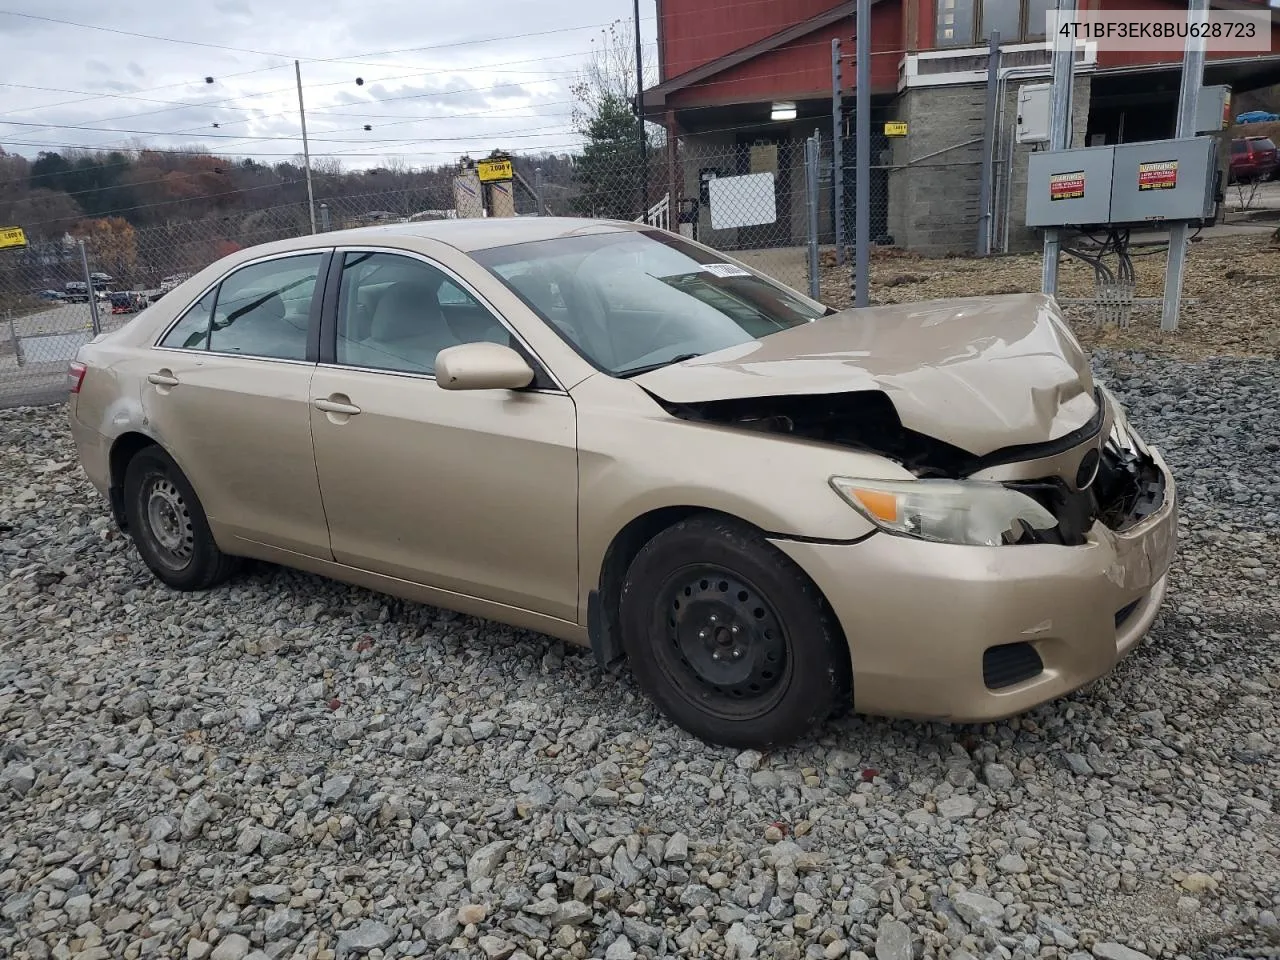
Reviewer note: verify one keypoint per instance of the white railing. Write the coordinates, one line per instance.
(659, 214)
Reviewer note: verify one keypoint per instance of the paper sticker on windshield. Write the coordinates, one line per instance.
(725, 270)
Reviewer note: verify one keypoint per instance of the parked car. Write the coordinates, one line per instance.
(77, 292)
(126, 302)
(622, 438)
(1257, 116)
(1252, 158)
(51, 295)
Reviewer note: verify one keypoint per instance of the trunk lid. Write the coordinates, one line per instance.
(980, 373)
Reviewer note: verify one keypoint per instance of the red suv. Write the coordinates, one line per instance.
(1252, 158)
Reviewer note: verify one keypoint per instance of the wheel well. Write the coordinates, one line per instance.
(604, 623)
(123, 450)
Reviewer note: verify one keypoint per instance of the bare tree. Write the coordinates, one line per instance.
(610, 73)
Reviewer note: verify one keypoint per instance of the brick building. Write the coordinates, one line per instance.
(727, 68)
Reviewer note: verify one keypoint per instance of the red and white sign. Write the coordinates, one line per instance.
(1158, 176)
(1066, 186)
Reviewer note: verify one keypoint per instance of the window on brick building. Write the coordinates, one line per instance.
(968, 23)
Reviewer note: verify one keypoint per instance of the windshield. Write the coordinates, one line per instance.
(637, 300)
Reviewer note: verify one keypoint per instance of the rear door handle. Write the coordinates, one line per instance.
(336, 406)
(162, 379)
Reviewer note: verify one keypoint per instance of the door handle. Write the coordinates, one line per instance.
(162, 379)
(335, 406)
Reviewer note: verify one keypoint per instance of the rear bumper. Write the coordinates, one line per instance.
(921, 619)
(93, 450)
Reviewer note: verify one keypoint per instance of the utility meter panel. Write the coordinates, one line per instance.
(1070, 187)
(1213, 109)
(1165, 180)
(1033, 113)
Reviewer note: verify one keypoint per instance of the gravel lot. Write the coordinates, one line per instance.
(290, 767)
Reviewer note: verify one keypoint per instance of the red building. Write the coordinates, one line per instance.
(728, 68)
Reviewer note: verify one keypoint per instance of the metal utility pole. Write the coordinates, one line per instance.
(862, 158)
(837, 148)
(644, 146)
(985, 211)
(1064, 69)
(306, 149)
(1188, 98)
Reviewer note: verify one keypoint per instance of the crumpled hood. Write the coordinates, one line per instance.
(980, 373)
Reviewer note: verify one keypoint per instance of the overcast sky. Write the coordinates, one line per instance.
(441, 77)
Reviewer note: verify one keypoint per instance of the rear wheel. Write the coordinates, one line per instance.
(729, 637)
(169, 526)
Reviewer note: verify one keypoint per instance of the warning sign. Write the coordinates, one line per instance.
(1066, 186)
(1158, 176)
(12, 237)
(493, 171)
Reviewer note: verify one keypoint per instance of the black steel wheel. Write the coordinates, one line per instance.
(727, 649)
(168, 524)
(729, 637)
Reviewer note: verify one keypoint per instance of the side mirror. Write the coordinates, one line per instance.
(481, 366)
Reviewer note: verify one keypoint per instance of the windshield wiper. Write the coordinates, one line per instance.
(636, 371)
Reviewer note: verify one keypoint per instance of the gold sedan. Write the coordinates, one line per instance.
(620, 437)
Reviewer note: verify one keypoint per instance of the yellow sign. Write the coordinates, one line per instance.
(12, 237)
(491, 170)
(895, 129)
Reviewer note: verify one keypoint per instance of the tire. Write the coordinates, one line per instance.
(168, 524)
(729, 637)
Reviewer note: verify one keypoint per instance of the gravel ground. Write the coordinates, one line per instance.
(290, 767)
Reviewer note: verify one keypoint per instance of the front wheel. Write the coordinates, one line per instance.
(729, 637)
(168, 524)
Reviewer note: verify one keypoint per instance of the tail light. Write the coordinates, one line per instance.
(75, 375)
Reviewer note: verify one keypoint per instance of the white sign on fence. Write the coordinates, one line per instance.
(745, 201)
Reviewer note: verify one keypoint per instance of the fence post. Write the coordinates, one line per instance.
(862, 158)
(93, 294)
(1188, 95)
(986, 209)
(1060, 125)
(13, 338)
(837, 147)
(537, 191)
(811, 149)
(324, 218)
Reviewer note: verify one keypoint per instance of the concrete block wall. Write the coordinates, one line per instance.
(934, 197)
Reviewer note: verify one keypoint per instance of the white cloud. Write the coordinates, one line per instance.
(460, 91)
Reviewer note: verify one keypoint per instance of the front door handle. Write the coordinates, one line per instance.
(162, 379)
(336, 406)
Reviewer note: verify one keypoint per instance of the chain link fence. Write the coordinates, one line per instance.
(777, 204)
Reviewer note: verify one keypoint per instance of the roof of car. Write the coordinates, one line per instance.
(481, 234)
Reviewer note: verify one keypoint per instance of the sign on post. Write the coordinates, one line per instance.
(492, 171)
(12, 237)
(895, 128)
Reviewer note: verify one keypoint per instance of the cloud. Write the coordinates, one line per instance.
(459, 79)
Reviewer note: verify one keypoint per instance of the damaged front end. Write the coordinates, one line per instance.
(1101, 472)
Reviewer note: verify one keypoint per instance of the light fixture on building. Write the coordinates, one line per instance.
(783, 111)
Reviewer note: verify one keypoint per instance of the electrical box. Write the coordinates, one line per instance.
(1069, 187)
(1165, 180)
(1125, 185)
(1033, 113)
(1213, 109)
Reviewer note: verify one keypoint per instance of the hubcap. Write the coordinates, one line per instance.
(169, 523)
(726, 648)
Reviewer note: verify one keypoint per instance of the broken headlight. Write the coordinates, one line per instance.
(969, 512)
